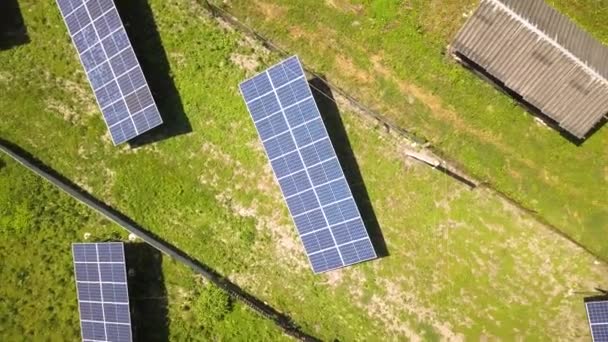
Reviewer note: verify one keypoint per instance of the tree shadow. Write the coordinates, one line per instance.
(147, 293)
(143, 33)
(13, 31)
(335, 127)
(527, 106)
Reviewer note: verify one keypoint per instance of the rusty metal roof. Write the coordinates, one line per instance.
(543, 56)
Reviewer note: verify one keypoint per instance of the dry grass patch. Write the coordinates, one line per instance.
(296, 32)
(345, 6)
(346, 66)
(271, 11)
(248, 63)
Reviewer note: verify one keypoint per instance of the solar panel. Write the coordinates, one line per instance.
(103, 297)
(305, 165)
(597, 313)
(109, 61)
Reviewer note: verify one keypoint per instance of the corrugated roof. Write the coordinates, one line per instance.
(563, 31)
(543, 56)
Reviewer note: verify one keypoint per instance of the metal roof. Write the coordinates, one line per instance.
(541, 55)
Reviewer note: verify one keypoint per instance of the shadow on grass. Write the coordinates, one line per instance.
(147, 293)
(337, 133)
(143, 33)
(599, 295)
(527, 106)
(12, 26)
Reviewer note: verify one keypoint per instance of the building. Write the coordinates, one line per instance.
(534, 51)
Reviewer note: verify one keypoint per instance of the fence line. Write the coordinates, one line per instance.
(391, 126)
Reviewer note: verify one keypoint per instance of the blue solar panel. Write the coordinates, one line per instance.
(103, 296)
(109, 61)
(306, 167)
(597, 313)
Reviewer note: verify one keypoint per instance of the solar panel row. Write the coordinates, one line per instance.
(306, 167)
(597, 312)
(103, 297)
(111, 67)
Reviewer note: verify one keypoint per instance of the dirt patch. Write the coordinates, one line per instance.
(110, 180)
(345, 6)
(512, 172)
(251, 43)
(65, 111)
(244, 211)
(346, 66)
(379, 66)
(125, 148)
(82, 182)
(84, 96)
(271, 11)
(106, 139)
(83, 152)
(216, 153)
(334, 278)
(182, 297)
(288, 248)
(322, 37)
(356, 283)
(296, 32)
(178, 57)
(246, 62)
(253, 53)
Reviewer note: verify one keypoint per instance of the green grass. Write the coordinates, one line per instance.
(462, 263)
(37, 227)
(391, 55)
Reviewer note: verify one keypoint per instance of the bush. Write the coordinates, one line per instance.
(212, 305)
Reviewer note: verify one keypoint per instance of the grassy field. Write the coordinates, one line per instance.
(391, 55)
(39, 223)
(462, 264)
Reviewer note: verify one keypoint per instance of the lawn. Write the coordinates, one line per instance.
(391, 55)
(462, 263)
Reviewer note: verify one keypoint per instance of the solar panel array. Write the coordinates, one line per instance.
(103, 297)
(306, 167)
(597, 312)
(111, 66)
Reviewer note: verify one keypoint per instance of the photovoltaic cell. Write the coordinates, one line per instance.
(103, 296)
(597, 313)
(109, 61)
(305, 165)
